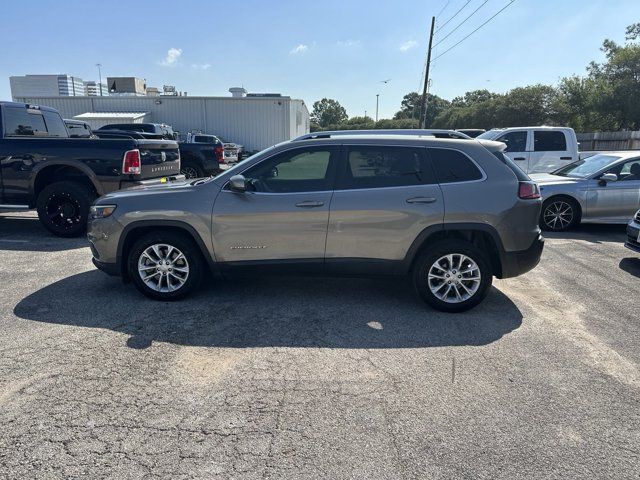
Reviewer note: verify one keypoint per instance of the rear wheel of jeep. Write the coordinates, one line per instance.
(165, 266)
(452, 276)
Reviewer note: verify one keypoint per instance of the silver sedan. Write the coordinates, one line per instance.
(604, 188)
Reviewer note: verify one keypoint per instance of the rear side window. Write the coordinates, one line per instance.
(377, 167)
(549, 142)
(452, 166)
(55, 125)
(21, 122)
(516, 141)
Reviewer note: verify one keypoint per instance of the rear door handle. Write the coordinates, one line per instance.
(519, 158)
(566, 158)
(309, 204)
(421, 200)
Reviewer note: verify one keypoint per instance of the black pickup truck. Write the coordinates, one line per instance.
(42, 168)
(198, 159)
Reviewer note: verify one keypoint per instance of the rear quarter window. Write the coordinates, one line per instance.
(453, 166)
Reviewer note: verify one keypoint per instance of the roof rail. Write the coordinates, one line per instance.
(437, 133)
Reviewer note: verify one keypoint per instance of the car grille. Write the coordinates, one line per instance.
(637, 217)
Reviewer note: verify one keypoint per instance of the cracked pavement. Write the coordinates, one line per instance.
(318, 378)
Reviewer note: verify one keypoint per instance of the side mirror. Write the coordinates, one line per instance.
(608, 177)
(238, 183)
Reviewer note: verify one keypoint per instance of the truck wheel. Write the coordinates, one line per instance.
(63, 208)
(559, 214)
(165, 265)
(452, 276)
(190, 171)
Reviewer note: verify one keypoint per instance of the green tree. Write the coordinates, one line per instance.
(328, 112)
(411, 104)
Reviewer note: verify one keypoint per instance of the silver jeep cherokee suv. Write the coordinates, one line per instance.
(450, 213)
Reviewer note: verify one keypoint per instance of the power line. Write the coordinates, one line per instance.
(461, 23)
(464, 38)
(453, 16)
(442, 9)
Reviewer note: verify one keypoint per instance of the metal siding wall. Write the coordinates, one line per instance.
(256, 122)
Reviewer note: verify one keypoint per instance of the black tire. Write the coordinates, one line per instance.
(425, 262)
(63, 208)
(194, 261)
(191, 171)
(550, 218)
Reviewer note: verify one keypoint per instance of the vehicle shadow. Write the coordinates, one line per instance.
(272, 312)
(593, 233)
(24, 232)
(631, 265)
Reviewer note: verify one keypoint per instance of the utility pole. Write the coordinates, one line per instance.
(377, 98)
(423, 105)
(99, 65)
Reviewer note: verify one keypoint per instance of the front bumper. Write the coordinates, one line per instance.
(633, 230)
(517, 263)
(108, 268)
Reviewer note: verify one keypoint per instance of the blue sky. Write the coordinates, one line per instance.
(309, 50)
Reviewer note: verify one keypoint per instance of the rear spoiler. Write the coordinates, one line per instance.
(492, 145)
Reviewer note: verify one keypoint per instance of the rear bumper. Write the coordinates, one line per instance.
(108, 268)
(517, 263)
(152, 181)
(633, 230)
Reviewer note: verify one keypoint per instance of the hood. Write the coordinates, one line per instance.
(549, 179)
(170, 188)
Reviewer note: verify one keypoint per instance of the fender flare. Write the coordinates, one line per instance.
(93, 178)
(424, 235)
(195, 236)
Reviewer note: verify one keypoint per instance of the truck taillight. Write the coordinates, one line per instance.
(219, 152)
(131, 164)
(528, 190)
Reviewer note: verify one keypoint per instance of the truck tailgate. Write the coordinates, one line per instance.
(160, 158)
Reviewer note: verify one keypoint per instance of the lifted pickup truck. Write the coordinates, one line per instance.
(42, 168)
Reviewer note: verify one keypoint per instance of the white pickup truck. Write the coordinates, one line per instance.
(537, 149)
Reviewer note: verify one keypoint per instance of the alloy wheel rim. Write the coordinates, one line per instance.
(454, 278)
(63, 210)
(189, 172)
(558, 215)
(163, 268)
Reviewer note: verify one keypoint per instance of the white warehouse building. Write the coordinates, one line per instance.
(256, 121)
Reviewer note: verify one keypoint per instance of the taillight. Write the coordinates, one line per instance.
(131, 164)
(528, 190)
(219, 152)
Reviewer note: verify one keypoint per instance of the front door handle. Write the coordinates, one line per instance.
(566, 158)
(421, 200)
(309, 204)
(519, 158)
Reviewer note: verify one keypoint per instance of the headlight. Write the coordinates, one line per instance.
(101, 211)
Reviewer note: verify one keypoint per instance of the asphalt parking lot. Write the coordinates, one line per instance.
(318, 378)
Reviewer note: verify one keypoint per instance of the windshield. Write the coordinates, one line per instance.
(490, 135)
(587, 167)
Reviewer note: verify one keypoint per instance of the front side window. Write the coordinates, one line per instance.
(516, 141)
(21, 122)
(627, 171)
(549, 142)
(453, 166)
(299, 170)
(377, 167)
